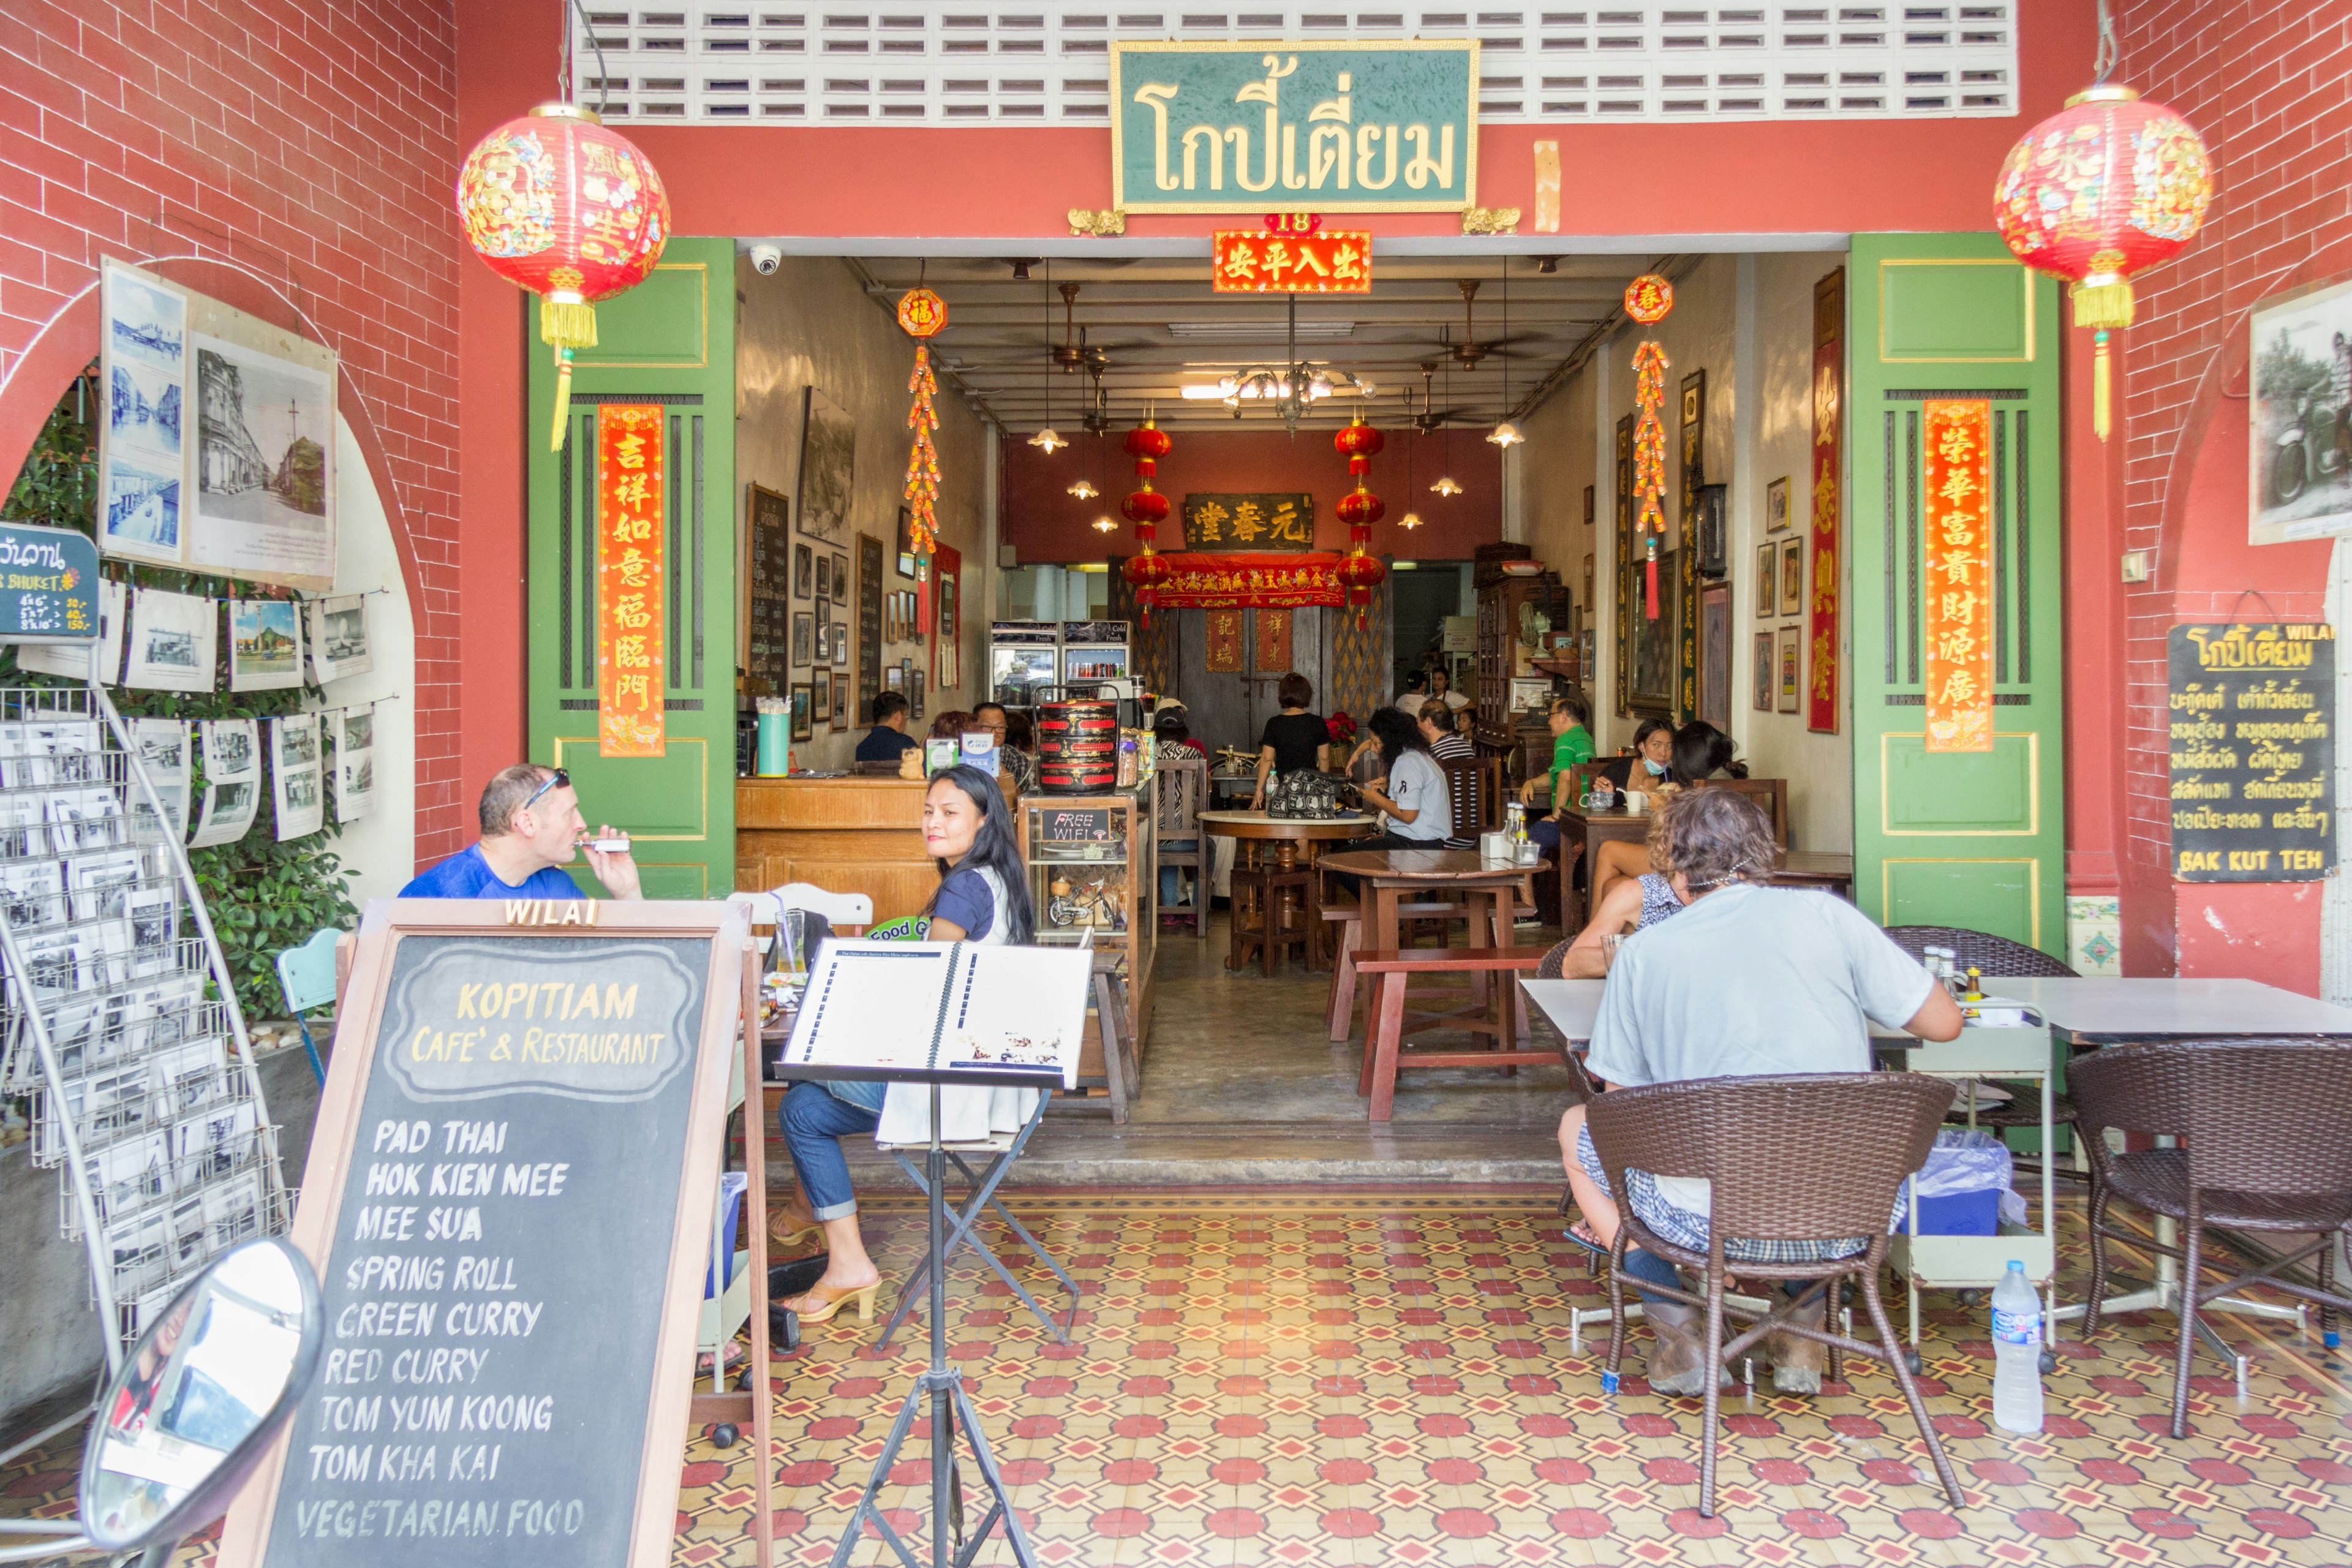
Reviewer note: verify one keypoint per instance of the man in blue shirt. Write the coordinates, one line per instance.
(888, 740)
(531, 825)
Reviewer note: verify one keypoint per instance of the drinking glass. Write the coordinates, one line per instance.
(793, 931)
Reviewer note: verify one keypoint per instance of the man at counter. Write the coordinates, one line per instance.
(531, 825)
(888, 740)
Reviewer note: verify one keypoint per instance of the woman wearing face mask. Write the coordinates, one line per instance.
(1649, 770)
(982, 897)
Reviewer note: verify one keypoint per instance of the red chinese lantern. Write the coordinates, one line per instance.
(1359, 444)
(1146, 509)
(1359, 507)
(2108, 184)
(1360, 574)
(1147, 570)
(570, 210)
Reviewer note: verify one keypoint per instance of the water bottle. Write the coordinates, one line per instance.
(2017, 1351)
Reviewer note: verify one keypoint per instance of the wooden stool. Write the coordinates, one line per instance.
(1265, 918)
(1384, 1052)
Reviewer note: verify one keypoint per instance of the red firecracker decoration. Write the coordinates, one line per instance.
(1647, 300)
(2108, 184)
(569, 210)
(1145, 570)
(1360, 571)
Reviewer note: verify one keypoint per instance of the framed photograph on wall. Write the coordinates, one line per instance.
(1768, 582)
(803, 637)
(1715, 654)
(1776, 506)
(1792, 642)
(803, 571)
(2296, 471)
(821, 699)
(841, 579)
(914, 684)
(823, 652)
(905, 543)
(800, 710)
(1765, 674)
(1792, 576)
(823, 578)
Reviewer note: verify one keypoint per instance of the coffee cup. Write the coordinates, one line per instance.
(1637, 802)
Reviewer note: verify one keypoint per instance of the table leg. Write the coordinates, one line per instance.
(1385, 896)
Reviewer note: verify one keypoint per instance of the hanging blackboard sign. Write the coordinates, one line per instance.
(1081, 825)
(508, 1202)
(2253, 752)
(48, 583)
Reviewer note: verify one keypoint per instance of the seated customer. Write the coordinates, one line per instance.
(531, 825)
(1572, 747)
(982, 897)
(1412, 795)
(1702, 752)
(1749, 980)
(1016, 744)
(1632, 903)
(1445, 743)
(888, 740)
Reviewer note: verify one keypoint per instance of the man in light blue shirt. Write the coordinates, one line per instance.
(530, 826)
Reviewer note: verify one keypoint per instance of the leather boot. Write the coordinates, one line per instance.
(1797, 1361)
(1677, 1349)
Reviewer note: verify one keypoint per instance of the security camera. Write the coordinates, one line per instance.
(766, 258)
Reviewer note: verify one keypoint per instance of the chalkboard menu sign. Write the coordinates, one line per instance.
(2253, 752)
(508, 1200)
(767, 519)
(869, 626)
(48, 583)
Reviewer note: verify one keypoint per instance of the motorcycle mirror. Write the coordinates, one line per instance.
(200, 1398)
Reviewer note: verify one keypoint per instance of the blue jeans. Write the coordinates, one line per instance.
(814, 1119)
(1172, 877)
(1546, 833)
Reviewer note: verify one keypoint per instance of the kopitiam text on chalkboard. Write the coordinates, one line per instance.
(2252, 752)
(493, 1288)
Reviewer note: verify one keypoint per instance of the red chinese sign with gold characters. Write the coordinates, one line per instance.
(1829, 398)
(1229, 581)
(631, 482)
(1249, 261)
(1959, 576)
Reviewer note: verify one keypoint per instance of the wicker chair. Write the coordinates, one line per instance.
(2266, 1127)
(1991, 956)
(1749, 1137)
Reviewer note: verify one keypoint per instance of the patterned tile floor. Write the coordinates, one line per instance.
(1326, 1377)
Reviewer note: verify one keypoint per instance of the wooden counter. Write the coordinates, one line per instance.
(846, 835)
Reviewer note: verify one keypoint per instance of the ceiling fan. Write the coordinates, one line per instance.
(1470, 350)
(1431, 416)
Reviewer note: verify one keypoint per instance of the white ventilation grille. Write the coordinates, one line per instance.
(1044, 63)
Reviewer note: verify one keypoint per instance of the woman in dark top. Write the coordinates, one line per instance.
(1703, 752)
(1293, 738)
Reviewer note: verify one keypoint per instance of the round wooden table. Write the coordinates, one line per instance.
(1285, 843)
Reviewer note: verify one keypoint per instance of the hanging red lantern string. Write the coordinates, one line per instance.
(1145, 570)
(570, 210)
(1360, 571)
(1647, 300)
(2108, 184)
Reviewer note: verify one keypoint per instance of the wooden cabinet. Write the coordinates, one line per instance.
(858, 834)
(1094, 866)
(1502, 596)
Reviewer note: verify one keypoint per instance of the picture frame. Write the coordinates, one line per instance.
(1792, 576)
(828, 468)
(1791, 645)
(800, 710)
(906, 544)
(2291, 492)
(804, 570)
(1776, 506)
(894, 678)
(914, 684)
(803, 637)
(1714, 531)
(821, 699)
(1765, 674)
(823, 578)
(1767, 581)
(841, 579)
(822, 654)
(1715, 647)
(841, 646)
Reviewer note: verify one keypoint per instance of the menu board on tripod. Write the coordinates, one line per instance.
(508, 1200)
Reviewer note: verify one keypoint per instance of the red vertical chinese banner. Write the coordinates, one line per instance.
(1959, 576)
(1822, 695)
(630, 484)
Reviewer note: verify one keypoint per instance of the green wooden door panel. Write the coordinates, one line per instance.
(1956, 312)
(1971, 838)
(671, 340)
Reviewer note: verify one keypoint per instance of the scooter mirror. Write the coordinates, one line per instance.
(199, 1398)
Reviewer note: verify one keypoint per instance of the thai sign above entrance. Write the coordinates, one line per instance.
(1334, 128)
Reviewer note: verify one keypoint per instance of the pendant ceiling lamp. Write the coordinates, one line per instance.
(1103, 521)
(2108, 186)
(570, 210)
(1507, 435)
(1446, 485)
(1049, 440)
(1412, 519)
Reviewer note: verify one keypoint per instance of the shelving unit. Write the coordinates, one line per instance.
(1501, 596)
(1094, 866)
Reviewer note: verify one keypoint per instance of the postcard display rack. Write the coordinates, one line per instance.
(143, 1086)
(1092, 872)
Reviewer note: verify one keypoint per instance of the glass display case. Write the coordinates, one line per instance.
(1094, 867)
(1022, 657)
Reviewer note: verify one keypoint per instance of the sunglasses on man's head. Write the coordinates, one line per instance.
(559, 778)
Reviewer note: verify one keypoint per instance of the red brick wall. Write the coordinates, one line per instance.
(294, 160)
(2270, 85)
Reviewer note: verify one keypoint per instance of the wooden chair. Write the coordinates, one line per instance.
(1772, 794)
(1181, 793)
(1475, 787)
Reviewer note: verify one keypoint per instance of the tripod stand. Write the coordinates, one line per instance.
(950, 1410)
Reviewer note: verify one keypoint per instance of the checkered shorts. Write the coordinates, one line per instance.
(1679, 1226)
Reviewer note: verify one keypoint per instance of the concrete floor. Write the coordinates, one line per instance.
(1242, 1085)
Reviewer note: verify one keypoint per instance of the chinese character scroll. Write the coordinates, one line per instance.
(1822, 696)
(1273, 521)
(1958, 567)
(632, 496)
(1229, 582)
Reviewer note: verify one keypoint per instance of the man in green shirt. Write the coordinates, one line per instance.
(1571, 744)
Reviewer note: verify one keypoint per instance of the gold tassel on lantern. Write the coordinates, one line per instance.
(566, 322)
(2100, 422)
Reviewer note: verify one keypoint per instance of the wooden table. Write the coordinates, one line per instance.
(1592, 828)
(1256, 834)
(1815, 869)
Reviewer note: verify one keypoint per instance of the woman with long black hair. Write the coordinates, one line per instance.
(982, 897)
(1411, 795)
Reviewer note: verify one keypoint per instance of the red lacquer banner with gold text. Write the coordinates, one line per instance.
(1827, 647)
(1229, 581)
(630, 485)
(1249, 261)
(1223, 642)
(1959, 576)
